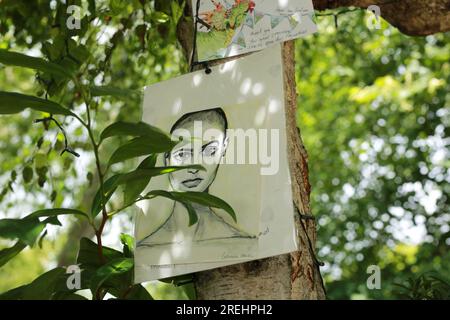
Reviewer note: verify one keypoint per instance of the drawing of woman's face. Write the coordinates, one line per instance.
(197, 148)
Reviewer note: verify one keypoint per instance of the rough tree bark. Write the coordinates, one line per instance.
(297, 276)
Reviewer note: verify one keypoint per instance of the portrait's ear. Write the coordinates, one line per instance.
(225, 145)
(166, 158)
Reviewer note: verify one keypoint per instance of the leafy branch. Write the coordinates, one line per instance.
(110, 270)
(66, 76)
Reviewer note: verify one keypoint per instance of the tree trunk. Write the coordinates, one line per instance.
(297, 276)
(294, 276)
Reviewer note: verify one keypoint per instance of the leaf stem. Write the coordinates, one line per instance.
(101, 174)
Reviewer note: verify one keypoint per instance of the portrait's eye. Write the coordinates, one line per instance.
(209, 151)
(182, 155)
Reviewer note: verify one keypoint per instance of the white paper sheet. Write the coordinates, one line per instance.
(250, 92)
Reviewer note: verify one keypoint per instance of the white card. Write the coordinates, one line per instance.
(233, 27)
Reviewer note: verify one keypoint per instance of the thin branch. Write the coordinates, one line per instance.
(67, 148)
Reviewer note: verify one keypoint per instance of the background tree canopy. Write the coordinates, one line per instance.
(374, 111)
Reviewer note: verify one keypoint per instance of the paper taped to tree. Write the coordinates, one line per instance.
(232, 200)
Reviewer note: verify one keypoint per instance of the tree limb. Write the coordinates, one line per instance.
(411, 17)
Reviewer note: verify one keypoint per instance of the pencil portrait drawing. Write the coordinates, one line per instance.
(206, 150)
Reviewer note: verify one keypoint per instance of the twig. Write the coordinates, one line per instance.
(66, 141)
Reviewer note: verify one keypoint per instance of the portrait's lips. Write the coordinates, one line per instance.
(192, 183)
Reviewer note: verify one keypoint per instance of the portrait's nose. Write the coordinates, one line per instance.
(193, 171)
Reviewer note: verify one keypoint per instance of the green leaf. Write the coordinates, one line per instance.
(13, 294)
(67, 296)
(186, 198)
(133, 189)
(128, 245)
(152, 172)
(92, 7)
(41, 238)
(189, 290)
(27, 174)
(109, 187)
(117, 6)
(138, 292)
(29, 228)
(88, 254)
(193, 218)
(177, 10)
(40, 160)
(13, 175)
(179, 280)
(54, 50)
(53, 196)
(56, 212)
(140, 146)
(94, 273)
(112, 183)
(100, 91)
(206, 199)
(11, 102)
(26, 230)
(139, 129)
(79, 52)
(22, 60)
(89, 261)
(52, 220)
(113, 268)
(9, 253)
(42, 288)
(159, 17)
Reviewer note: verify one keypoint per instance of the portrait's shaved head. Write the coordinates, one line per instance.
(214, 117)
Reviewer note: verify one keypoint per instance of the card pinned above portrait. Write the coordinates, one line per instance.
(232, 123)
(227, 28)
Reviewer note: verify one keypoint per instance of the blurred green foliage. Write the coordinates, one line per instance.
(374, 111)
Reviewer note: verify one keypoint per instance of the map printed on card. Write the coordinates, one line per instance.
(231, 27)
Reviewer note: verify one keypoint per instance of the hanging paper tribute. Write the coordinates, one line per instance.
(231, 27)
(232, 123)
